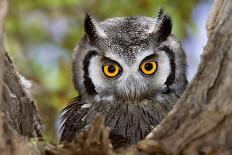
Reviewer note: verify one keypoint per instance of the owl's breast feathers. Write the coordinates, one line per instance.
(129, 121)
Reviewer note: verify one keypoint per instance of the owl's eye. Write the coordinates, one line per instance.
(148, 67)
(111, 70)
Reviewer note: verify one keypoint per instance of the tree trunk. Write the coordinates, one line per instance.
(18, 116)
(200, 123)
(3, 8)
(18, 107)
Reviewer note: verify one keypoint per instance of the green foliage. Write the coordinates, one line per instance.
(41, 35)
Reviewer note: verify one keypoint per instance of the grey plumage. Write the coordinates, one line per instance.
(131, 102)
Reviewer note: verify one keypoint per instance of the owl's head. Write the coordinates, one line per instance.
(129, 58)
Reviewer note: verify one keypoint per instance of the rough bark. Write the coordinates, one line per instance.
(3, 8)
(18, 107)
(200, 123)
(8, 139)
(11, 143)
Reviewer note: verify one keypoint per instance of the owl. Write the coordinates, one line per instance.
(131, 70)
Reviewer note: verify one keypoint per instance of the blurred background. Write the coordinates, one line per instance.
(41, 35)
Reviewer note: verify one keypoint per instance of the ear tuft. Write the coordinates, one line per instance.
(165, 26)
(92, 28)
(89, 25)
(160, 13)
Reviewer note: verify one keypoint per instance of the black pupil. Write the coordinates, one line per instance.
(111, 69)
(148, 66)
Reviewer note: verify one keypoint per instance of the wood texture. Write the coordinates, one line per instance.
(3, 9)
(16, 105)
(19, 109)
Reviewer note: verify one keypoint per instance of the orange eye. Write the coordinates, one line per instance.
(148, 67)
(111, 70)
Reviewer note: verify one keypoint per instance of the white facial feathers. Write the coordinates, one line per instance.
(131, 82)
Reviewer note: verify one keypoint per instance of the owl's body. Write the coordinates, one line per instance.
(131, 70)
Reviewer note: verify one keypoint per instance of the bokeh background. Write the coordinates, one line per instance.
(41, 35)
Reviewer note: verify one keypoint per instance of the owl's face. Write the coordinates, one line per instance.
(131, 58)
(136, 75)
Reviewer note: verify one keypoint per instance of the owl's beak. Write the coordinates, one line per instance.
(131, 89)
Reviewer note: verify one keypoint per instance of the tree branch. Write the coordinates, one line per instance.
(11, 143)
(19, 109)
(3, 8)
